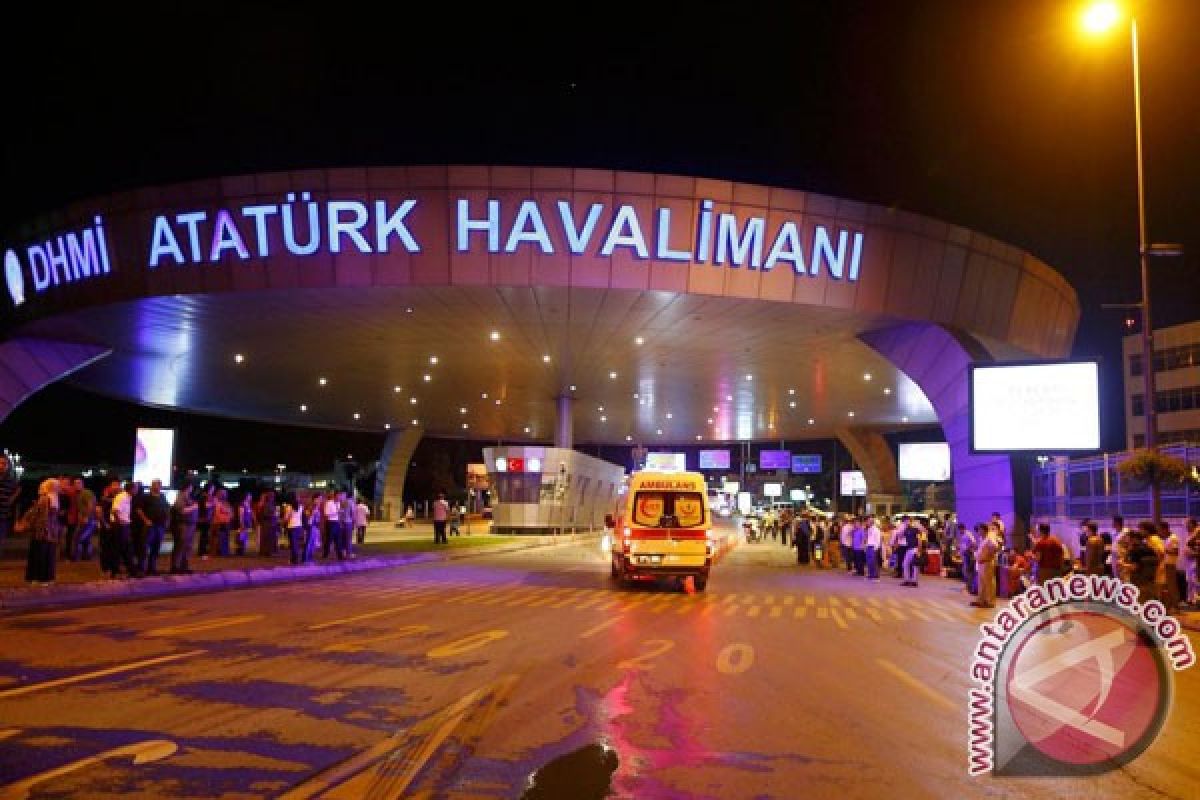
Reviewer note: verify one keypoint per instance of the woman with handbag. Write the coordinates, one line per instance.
(43, 524)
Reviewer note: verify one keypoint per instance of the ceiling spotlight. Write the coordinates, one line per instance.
(771, 426)
(749, 377)
(670, 415)
(849, 413)
(238, 358)
(812, 422)
(604, 419)
(572, 387)
(904, 419)
(465, 426)
(600, 408)
(710, 422)
(497, 401)
(387, 426)
(729, 398)
(546, 359)
(397, 389)
(462, 410)
(357, 415)
(612, 376)
(412, 401)
(408, 310)
(716, 410)
(659, 431)
(636, 395)
(698, 437)
(322, 381)
(639, 341)
(527, 430)
(887, 391)
(494, 336)
(791, 391)
(866, 376)
(792, 404)
(483, 395)
(415, 423)
(427, 377)
(629, 438)
(303, 408)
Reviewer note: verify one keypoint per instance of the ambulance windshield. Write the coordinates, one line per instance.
(668, 509)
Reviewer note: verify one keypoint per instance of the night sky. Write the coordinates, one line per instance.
(992, 114)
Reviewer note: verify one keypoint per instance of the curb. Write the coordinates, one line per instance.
(98, 592)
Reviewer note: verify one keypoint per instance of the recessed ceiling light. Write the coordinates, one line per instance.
(629, 438)
(866, 376)
(904, 419)
(849, 413)
(357, 415)
(639, 341)
(497, 401)
(322, 381)
(462, 410)
(604, 419)
(527, 430)
(397, 389)
(636, 395)
(238, 358)
(387, 426)
(698, 437)
(433, 359)
(483, 395)
(749, 377)
(572, 387)
(710, 422)
(600, 408)
(791, 404)
(771, 426)
(670, 415)
(412, 401)
(612, 376)
(791, 391)
(427, 377)
(546, 359)
(415, 423)
(659, 431)
(812, 422)
(887, 391)
(465, 426)
(303, 408)
(494, 336)
(729, 398)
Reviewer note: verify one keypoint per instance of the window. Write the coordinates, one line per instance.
(668, 509)
(1167, 359)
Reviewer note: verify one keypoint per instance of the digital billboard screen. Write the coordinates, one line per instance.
(774, 459)
(924, 461)
(806, 464)
(714, 459)
(1049, 407)
(666, 462)
(154, 450)
(853, 483)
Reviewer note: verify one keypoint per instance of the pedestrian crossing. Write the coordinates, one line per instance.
(842, 611)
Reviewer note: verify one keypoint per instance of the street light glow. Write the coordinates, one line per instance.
(1100, 17)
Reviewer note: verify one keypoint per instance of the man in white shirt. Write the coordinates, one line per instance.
(874, 544)
(361, 514)
(334, 535)
(122, 511)
(846, 539)
(441, 513)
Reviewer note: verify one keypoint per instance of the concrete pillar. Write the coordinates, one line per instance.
(28, 364)
(564, 425)
(874, 457)
(936, 360)
(397, 454)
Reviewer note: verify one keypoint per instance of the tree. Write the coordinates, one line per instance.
(1156, 470)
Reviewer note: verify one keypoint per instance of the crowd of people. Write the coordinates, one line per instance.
(126, 526)
(1161, 562)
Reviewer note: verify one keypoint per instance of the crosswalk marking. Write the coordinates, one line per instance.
(810, 600)
(822, 613)
(754, 611)
(875, 615)
(787, 601)
(770, 599)
(837, 617)
(731, 610)
(776, 611)
(833, 601)
(918, 614)
(898, 614)
(855, 602)
(873, 601)
(801, 611)
(851, 614)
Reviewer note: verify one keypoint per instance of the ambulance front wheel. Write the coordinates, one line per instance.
(700, 582)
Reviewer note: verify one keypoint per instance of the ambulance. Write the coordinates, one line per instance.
(663, 530)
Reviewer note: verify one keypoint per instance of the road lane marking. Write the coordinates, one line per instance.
(142, 752)
(655, 648)
(567, 599)
(466, 644)
(801, 611)
(776, 611)
(855, 602)
(921, 615)
(359, 617)
(851, 614)
(685, 608)
(875, 615)
(591, 601)
(609, 604)
(898, 614)
(893, 602)
(834, 602)
(17, 691)
(729, 598)
(837, 617)
(943, 614)
(872, 601)
(735, 659)
(754, 611)
(207, 625)
(358, 645)
(608, 623)
(913, 683)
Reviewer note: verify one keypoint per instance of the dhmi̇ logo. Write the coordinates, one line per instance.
(14, 278)
(1075, 677)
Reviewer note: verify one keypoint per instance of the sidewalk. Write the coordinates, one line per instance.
(80, 583)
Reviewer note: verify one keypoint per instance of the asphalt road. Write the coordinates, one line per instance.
(461, 680)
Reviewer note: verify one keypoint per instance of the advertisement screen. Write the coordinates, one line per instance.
(714, 459)
(806, 464)
(853, 483)
(666, 462)
(1053, 407)
(774, 459)
(924, 461)
(772, 489)
(154, 450)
